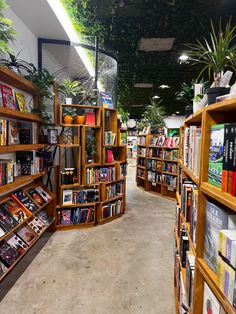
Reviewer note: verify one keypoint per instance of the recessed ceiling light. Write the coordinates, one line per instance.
(183, 58)
(156, 97)
(164, 86)
(177, 112)
(173, 114)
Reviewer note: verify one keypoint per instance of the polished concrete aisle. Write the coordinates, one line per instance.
(122, 267)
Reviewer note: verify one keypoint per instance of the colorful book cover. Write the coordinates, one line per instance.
(216, 155)
(65, 216)
(47, 197)
(2, 232)
(106, 100)
(27, 234)
(7, 221)
(36, 196)
(8, 254)
(8, 97)
(109, 156)
(37, 225)
(90, 118)
(67, 197)
(18, 213)
(76, 215)
(17, 244)
(13, 133)
(43, 216)
(3, 269)
(225, 165)
(25, 201)
(210, 303)
(232, 172)
(20, 101)
(216, 219)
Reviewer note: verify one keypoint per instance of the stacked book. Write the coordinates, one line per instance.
(112, 209)
(82, 196)
(80, 215)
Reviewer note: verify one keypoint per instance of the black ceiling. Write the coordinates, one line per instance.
(125, 22)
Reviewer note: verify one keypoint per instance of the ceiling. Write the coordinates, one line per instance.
(149, 36)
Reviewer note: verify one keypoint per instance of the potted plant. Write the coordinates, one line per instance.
(215, 55)
(70, 89)
(123, 116)
(186, 95)
(68, 115)
(7, 31)
(80, 117)
(154, 115)
(19, 66)
(91, 149)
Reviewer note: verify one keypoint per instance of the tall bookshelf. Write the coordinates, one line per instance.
(102, 176)
(222, 112)
(22, 183)
(152, 163)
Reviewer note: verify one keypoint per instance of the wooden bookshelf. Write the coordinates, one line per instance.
(21, 147)
(19, 115)
(222, 112)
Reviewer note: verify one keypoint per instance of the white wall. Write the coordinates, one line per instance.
(25, 39)
(173, 122)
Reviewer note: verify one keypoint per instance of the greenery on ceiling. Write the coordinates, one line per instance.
(120, 24)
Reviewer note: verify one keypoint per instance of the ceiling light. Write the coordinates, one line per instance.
(183, 58)
(173, 114)
(177, 112)
(164, 86)
(156, 97)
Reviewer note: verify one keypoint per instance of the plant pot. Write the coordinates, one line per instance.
(197, 105)
(214, 92)
(79, 119)
(68, 119)
(68, 101)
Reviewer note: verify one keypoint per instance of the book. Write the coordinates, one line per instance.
(67, 197)
(109, 156)
(216, 219)
(37, 225)
(232, 164)
(65, 216)
(36, 196)
(3, 269)
(17, 243)
(7, 221)
(7, 96)
(43, 216)
(18, 212)
(13, 133)
(2, 232)
(25, 201)
(90, 118)
(8, 254)
(3, 132)
(216, 155)
(43, 193)
(210, 303)
(26, 234)
(227, 245)
(225, 164)
(20, 101)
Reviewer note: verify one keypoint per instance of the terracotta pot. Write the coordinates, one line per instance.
(68, 119)
(79, 119)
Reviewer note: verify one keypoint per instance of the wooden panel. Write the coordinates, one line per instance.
(191, 175)
(15, 114)
(22, 147)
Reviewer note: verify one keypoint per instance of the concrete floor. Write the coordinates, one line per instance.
(122, 267)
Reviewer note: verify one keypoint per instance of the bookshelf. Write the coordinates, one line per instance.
(222, 112)
(97, 154)
(22, 206)
(156, 167)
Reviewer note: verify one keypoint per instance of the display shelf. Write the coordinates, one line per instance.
(141, 167)
(29, 247)
(13, 79)
(191, 175)
(141, 178)
(195, 118)
(170, 173)
(176, 300)
(180, 161)
(19, 115)
(211, 278)
(178, 198)
(22, 147)
(68, 145)
(170, 160)
(154, 158)
(75, 226)
(223, 106)
(77, 205)
(115, 198)
(92, 126)
(109, 219)
(216, 193)
(187, 227)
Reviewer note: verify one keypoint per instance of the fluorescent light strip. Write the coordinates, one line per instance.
(65, 22)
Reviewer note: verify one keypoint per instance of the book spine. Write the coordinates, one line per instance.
(225, 170)
(233, 186)
(230, 156)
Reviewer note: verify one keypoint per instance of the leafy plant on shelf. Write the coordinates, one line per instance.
(70, 89)
(7, 31)
(155, 114)
(217, 53)
(91, 148)
(124, 114)
(14, 63)
(43, 81)
(186, 93)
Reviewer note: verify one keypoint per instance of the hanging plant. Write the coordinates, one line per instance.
(7, 31)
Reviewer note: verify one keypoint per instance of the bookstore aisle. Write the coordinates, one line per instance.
(125, 266)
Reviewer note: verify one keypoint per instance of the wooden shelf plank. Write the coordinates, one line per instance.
(170, 173)
(19, 181)
(78, 205)
(103, 221)
(13, 79)
(211, 279)
(112, 199)
(79, 125)
(21, 147)
(222, 197)
(139, 156)
(178, 197)
(141, 167)
(223, 106)
(75, 226)
(191, 175)
(140, 177)
(68, 145)
(81, 106)
(15, 114)
(170, 160)
(155, 158)
(194, 118)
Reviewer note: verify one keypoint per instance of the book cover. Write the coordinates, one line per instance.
(43, 216)
(2, 232)
(3, 269)
(20, 101)
(36, 196)
(225, 165)
(216, 155)
(13, 133)
(25, 136)
(232, 172)
(8, 254)
(43, 193)
(7, 221)
(65, 216)
(216, 219)
(25, 201)
(18, 213)
(7, 96)
(76, 215)
(90, 118)
(17, 243)
(67, 197)
(210, 303)
(109, 156)
(27, 234)
(37, 225)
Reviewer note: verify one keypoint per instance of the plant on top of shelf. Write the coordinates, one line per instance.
(7, 30)
(155, 114)
(123, 114)
(70, 89)
(91, 148)
(215, 55)
(42, 80)
(19, 66)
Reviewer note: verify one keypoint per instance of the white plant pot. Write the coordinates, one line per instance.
(197, 105)
(68, 101)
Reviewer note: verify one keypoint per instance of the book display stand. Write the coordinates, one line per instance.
(203, 270)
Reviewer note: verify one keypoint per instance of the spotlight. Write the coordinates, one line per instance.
(156, 97)
(163, 86)
(183, 58)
